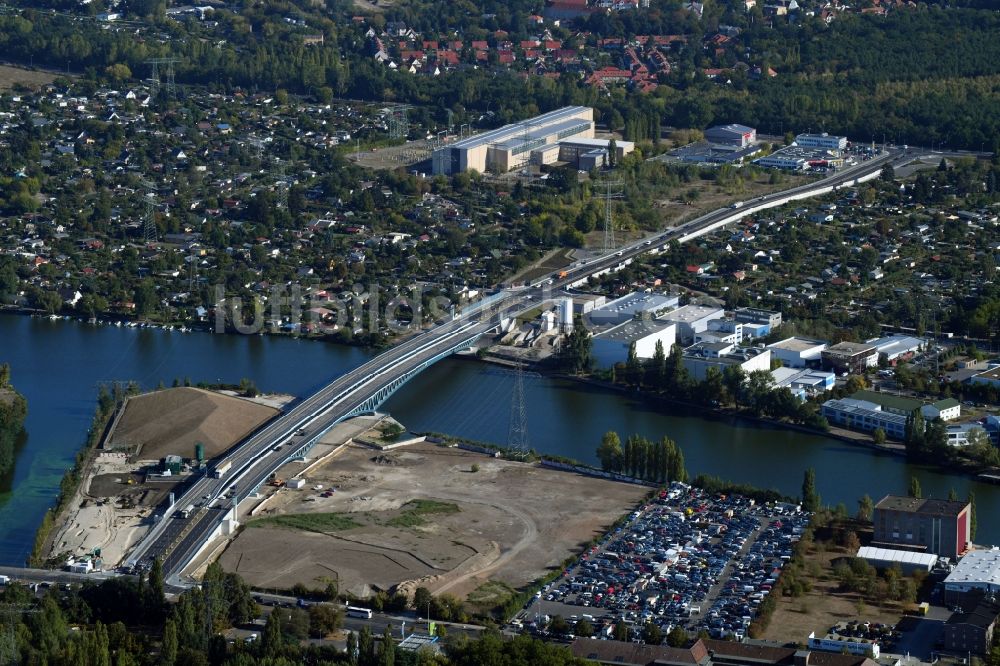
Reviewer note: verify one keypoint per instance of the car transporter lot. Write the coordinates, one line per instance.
(689, 559)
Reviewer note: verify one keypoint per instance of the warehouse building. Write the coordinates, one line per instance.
(907, 560)
(692, 319)
(510, 147)
(895, 348)
(731, 135)
(978, 573)
(720, 355)
(584, 154)
(972, 630)
(611, 346)
(850, 357)
(926, 525)
(803, 382)
(800, 158)
(633, 306)
(798, 352)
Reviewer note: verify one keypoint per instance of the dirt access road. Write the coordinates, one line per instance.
(508, 521)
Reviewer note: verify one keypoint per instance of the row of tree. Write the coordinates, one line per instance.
(640, 458)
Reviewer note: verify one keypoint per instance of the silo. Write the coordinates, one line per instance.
(566, 315)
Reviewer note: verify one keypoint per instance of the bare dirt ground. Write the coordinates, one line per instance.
(173, 421)
(107, 512)
(515, 522)
(824, 605)
(30, 78)
(113, 505)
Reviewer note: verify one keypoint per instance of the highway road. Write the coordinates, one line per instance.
(263, 452)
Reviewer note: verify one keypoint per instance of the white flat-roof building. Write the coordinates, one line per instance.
(510, 147)
(612, 345)
(897, 347)
(692, 319)
(978, 570)
(719, 355)
(823, 140)
(797, 379)
(636, 304)
(798, 352)
(865, 416)
(907, 560)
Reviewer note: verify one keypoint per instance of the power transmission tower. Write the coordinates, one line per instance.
(613, 189)
(517, 433)
(280, 184)
(9, 613)
(149, 219)
(399, 123)
(154, 78)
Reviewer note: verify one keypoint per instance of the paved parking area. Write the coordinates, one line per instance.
(689, 559)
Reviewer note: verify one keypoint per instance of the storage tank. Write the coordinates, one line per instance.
(199, 452)
(566, 315)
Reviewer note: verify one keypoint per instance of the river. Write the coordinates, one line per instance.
(58, 365)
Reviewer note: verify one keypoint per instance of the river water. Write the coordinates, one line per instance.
(58, 365)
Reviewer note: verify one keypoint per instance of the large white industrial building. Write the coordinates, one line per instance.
(511, 146)
(612, 345)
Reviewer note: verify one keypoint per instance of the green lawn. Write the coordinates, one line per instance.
(311, 522)
(415, 510)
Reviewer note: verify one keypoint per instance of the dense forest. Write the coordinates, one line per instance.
(13, 409)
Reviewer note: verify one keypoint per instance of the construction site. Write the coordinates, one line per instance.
(397, 517)
(157, 441)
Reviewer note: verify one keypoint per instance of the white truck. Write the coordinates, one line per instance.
(222, 468)
(4, 580)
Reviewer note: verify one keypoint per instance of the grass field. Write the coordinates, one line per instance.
(414, 512)
(490, 594)
(825, 604)
(30, 78)
(310, 522)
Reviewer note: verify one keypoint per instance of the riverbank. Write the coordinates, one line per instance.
(13, 411)
(722, 413)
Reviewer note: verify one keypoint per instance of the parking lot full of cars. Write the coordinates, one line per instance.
(689, 558)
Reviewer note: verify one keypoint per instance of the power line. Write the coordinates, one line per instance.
(613, 189)
(517, 432)
(149, 219)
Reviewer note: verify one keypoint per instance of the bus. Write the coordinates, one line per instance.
(354, 611)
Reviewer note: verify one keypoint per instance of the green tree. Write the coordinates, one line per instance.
(366, 647)
(677, 637)
(865, 508)
(387, 649)
(651, 633)
(271, 642)
(914, 490)
(810, 497)
(168, 651)
(878, 437)
(584, 629)
(609, 452)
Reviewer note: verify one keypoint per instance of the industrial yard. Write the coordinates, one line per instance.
(125, 481)
(445, 518)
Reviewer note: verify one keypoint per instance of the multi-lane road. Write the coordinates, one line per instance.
(251, 462)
